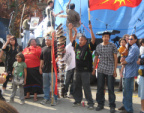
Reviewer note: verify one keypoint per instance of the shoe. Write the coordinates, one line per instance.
(22, 102)
(121, 108)
(141, 111)
(119, 90)
(112, 110)
(98, 108)
(44, 101)
(90, 107)
(70, 96)
(75, 104)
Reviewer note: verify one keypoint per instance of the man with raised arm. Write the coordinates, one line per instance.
(83, 53)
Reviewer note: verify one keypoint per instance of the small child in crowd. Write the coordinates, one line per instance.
(123, 51)
(19, 77)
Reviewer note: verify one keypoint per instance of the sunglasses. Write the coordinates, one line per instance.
(130, 39)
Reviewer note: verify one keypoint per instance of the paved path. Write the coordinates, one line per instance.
(65, 104)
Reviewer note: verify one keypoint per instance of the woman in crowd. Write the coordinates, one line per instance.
(34, 79)
(11, 48)
(130, 71)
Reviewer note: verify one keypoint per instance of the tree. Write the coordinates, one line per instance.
(8, 6)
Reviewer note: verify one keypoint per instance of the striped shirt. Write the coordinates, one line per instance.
(131, 68)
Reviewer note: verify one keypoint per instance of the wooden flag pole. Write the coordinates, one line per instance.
(52, 84)
(89, 13)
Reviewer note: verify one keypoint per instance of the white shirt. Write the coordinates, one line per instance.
(69, 57)
(141, 50)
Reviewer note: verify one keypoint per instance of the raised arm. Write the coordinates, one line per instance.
(70, 26)
(7, 42)
(92, 34)
(75, 35)
(69, 3)
(55, 15)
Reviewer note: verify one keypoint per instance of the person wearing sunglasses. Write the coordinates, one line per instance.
(130, 71)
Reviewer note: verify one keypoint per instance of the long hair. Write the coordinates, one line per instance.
(16, 44)
(29, 42)
(7, 108)
(141, 41)
(135, 37)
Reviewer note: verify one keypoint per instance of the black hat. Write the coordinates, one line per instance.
(109, 32)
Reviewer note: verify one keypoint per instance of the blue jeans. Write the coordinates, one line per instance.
(47, 84)
(26, 38)
(100, 89)
(128, 84)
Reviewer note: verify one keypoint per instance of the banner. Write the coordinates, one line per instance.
(112, 4)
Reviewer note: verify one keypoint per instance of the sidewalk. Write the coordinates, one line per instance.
(65, 104)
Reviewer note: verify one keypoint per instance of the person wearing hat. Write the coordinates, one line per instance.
(83, 55)
(107, 54)
(50, 14)
(72, 17)
(45, 69)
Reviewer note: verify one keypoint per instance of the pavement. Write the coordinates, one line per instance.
(65, 104)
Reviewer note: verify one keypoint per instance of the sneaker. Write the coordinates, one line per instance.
(70, 96)
(22, 102)
(121, 108)
(90, 107)
(75, 104)
(98, 108)
(44, 101)
(112, 110)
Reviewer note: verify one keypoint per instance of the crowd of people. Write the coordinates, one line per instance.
(30, 68)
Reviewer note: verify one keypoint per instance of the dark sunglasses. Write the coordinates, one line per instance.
(130, 39)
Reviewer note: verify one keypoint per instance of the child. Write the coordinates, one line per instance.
(20, 74)
(141, 77)
(123, 51)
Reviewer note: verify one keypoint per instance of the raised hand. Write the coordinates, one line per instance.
(70, 26)
(90, 26)
(75, 29)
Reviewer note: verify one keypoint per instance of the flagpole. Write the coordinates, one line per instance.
(52, 91)
(80, 16)
(89, 13)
